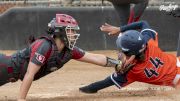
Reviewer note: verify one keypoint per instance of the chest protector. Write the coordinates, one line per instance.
(55, 61)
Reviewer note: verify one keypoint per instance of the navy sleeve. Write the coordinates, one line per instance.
(77, 53)
(148, 34)
(40, 51)
(135, 26)
(119, 79)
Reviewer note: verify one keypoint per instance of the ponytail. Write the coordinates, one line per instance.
(30, 39)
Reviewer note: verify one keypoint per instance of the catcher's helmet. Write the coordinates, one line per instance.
(131, 42)
(64, 26)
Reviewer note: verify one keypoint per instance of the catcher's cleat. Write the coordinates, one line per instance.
(87, 89)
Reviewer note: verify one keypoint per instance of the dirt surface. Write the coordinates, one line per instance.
(62, 85)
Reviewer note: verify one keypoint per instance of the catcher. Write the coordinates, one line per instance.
(48, 54)
(144, 60)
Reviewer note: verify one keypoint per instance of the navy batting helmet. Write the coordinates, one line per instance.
(131, 42)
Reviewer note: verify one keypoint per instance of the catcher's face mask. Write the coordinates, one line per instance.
(72, 36)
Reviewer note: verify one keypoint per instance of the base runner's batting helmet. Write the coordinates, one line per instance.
(64, 27)
(131, 43)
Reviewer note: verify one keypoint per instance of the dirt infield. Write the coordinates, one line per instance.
(63, 85)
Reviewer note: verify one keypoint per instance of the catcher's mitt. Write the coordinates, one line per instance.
(124, 63)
